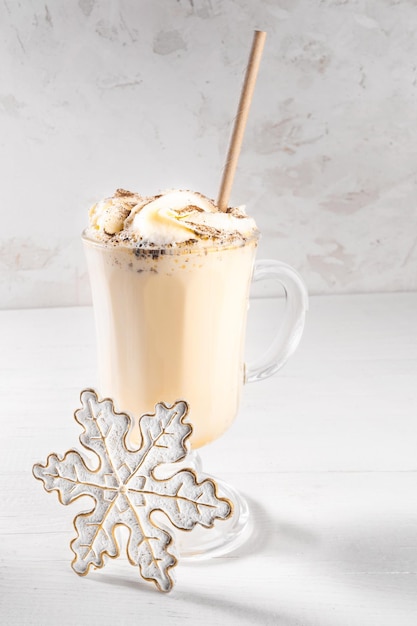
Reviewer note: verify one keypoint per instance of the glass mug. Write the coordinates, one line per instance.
(171, 324)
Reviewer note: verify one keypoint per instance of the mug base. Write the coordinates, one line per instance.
(225, 536)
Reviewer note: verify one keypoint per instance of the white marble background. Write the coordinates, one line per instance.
(140, 94)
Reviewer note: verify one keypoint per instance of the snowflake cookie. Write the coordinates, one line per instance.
(126, 491)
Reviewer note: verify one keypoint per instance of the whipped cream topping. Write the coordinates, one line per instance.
(172, 218)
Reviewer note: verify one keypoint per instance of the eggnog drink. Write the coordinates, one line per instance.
(170, 279)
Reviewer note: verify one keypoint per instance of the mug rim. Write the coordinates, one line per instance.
(182, 248)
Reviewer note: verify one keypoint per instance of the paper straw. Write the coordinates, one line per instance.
(235, 145)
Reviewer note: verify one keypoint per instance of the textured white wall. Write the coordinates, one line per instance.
(140, 94)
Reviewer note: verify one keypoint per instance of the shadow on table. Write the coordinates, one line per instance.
(380, 549)
(236, 612)
(230, 610)
(270, 535)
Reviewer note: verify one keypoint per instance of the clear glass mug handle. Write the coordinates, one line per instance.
(291, 328)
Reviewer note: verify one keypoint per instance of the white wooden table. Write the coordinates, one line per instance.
(326, 453)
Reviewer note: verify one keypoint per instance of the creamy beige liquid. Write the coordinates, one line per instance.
(172, 327)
